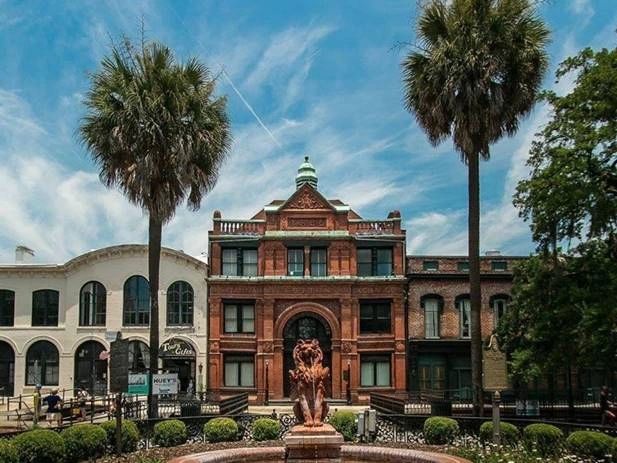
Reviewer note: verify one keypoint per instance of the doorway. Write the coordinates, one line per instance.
(306, 326)
(7, 369)
(90, 370)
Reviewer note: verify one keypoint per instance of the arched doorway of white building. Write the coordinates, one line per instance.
(7, 369)
(90, 370)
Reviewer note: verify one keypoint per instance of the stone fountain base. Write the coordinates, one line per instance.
(314, 444)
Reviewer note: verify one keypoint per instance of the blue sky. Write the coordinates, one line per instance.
(324, 76)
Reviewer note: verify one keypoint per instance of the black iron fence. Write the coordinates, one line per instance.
(584, 409)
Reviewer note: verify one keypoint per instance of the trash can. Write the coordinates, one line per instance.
(190, 408)
(441, 407)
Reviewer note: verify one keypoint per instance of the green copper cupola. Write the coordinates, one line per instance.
(306, 174)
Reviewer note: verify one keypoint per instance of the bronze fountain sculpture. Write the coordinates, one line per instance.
(309, 378)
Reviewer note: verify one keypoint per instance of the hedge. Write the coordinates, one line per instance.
(545, 438)
(8, 452)
(440, 430)
(590, 444)
(221, 430)
(345, 422)
(130, 435)
(509, 434)
(266, 429)
(84, 441)
(170, 433)
(40, 446)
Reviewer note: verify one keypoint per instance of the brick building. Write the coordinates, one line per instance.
(438, 317)
(307, 267)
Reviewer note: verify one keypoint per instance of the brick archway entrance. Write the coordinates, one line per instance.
(306, 320)
(305, 326)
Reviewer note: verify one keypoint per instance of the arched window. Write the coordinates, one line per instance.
(499, 304)
(180, 303)
(433, 306)
(463, 304)
(139, 356)
(45, 307)
(7, 307)
(42, 364)
(92, 304)
(136, 301)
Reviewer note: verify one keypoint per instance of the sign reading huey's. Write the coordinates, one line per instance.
(166, 383)
(176, 348)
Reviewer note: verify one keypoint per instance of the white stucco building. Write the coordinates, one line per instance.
(55, 320)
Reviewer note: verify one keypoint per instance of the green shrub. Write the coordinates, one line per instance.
(84, 441)
(614, 449)
(170, 433)
(590, 444)
(266, 429)
(40, 446)
(439, 430)
(545, 438)
(8, 452)
(130, 435)
(221, 430)
(345, 423)
(510, 435)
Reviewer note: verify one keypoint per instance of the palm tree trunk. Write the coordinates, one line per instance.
(155, 229)
(474, 282)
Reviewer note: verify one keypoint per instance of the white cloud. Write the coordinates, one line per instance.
(582, 7)
(284, 53)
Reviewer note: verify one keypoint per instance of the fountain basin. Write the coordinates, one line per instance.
(349, 454)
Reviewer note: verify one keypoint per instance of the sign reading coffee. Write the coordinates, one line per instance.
(176, 348)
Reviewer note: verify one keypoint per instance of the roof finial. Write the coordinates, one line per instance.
(306, 174)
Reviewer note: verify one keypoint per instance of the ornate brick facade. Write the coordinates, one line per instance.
(304, 267)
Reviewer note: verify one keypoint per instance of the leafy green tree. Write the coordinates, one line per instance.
(564, 310)
(571, 193)
(475, 73)
(158, 133)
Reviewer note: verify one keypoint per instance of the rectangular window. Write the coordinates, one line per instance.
(239, 371)
(374, 261)
(319, 262)
(375, 317)
(499, 266)
(365, 262)
(249, 262)
(431, 318)
(239, 262)
(45, 307)
(430, 265)
(463, 266)
(295, 262)
(375, 371)
(239, 318)
(464, 307)
(7, 307)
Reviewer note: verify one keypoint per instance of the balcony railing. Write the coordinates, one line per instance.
(239, 227)
(375, 227)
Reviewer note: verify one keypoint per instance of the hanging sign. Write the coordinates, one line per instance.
(176, 348)
(138, 384)
(166, 383)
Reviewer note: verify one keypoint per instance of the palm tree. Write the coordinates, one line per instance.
(157, 132)
(475, 73)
